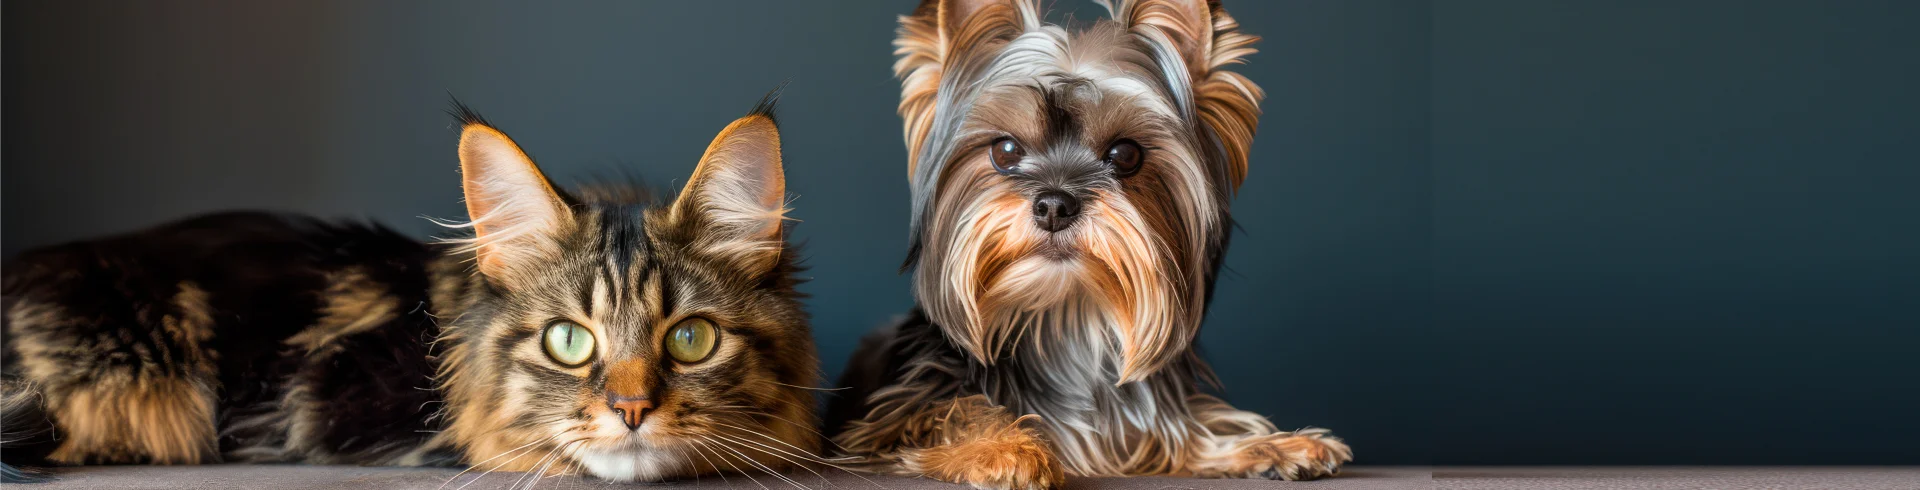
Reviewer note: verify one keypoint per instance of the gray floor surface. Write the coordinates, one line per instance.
(1359, 477)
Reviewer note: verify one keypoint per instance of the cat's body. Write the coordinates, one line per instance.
(256, 337)
(594, 330)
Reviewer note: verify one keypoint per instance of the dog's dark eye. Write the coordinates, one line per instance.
(1006, 154)
(1125, 157)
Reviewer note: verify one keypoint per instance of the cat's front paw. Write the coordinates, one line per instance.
(1011, 458)
(1305, 455)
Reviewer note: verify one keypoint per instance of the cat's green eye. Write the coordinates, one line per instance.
(692, 340)
(569, 344)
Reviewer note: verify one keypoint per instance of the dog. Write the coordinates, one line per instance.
(1070, 192)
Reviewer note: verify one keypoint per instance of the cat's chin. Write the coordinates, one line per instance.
(630, 464)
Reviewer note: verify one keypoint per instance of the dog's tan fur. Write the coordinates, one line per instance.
(1083, 333)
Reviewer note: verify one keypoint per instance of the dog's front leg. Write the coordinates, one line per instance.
(963, 440)
(1243, 444)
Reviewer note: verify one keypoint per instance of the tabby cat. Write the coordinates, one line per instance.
(576, 331)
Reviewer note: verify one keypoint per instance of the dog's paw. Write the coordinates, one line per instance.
(1011, 459)
(1305, 455)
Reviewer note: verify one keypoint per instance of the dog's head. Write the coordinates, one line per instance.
(1065, 175)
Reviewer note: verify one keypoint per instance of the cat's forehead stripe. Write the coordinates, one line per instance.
(586, 297)
(656, 293)
(628, 253)
(598, 299)
(623, 228)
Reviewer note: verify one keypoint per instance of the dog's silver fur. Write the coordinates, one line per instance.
(1090, 327)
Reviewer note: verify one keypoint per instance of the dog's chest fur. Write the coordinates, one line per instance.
(1066, 370)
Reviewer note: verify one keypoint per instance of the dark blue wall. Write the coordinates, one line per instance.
(1521, 231)
(1677, 231)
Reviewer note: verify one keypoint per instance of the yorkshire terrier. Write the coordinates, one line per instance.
(1070, 212)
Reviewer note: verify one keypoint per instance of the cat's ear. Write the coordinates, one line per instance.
(1207, 42)
(516, 213)
(737, 196)
(934, 35)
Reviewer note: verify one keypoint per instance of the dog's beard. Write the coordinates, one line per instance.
(988, 275)
(1009, 118)
(1139, 259)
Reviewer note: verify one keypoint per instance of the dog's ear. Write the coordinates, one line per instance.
(1207, 40)
(515, 213)
(934, 35)
(737, 194)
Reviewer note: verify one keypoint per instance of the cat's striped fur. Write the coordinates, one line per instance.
(259, 337)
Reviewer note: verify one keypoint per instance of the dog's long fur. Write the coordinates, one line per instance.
(1069, 350)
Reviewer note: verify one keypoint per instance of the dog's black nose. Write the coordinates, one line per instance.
(1055, 210)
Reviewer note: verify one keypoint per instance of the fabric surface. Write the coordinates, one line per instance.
(1678, 478)
(1382, 478)
(251, 477)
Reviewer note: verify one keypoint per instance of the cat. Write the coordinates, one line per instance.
(593, 330)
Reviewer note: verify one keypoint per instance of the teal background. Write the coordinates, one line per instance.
(1676, 232)
(1474, 232)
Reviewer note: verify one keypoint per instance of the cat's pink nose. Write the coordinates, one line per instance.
(633, 410)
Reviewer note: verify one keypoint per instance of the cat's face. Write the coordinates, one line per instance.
(629, 340)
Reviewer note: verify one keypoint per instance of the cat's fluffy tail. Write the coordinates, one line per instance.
(27, 433)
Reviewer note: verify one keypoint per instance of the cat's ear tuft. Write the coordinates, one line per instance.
(737, 195)
(515, 212)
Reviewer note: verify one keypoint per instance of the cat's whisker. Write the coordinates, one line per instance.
(535, 469)
(566, 454)
(538, 467)
(723, 458)
(496, 467)
(810, 389)
(757, 464)
(470, 467)
(573, 469)
(814, 459)
(823, 437)
(807, 427)
(803, 453)
(578, 468)
(762, 433)
(796, 464)
(683, 457)
(710, 464)
(560, 453)
(749, 462)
